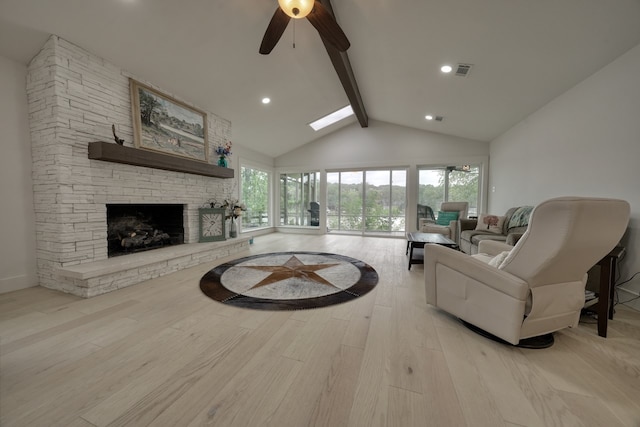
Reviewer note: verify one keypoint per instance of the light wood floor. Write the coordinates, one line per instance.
(161, 353)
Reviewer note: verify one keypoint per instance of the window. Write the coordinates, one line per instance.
(449, 184)
(299, 199)
(255, 195)
(368, 201)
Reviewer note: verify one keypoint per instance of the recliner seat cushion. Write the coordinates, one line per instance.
(480, 237)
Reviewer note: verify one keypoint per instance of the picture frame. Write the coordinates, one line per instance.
(164, 124)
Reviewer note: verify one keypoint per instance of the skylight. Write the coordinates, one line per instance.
(330, 119)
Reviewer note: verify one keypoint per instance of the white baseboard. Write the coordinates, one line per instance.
(10, 284)
(633, 301)
(629, 291)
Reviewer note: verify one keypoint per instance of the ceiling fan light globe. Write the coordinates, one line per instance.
(296, 9)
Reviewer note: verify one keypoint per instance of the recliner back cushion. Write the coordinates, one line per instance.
(565, 237)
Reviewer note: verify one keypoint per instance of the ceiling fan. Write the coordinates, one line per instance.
(315, 12)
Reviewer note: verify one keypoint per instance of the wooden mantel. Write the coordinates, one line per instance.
(111, 152)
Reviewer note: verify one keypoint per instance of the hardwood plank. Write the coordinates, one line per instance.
(477, 404)
(336, 400)
(32, 323)
(413, 317)
(304, 346)
(254, 394)
(314, 378)
(592, 412)
(439, 395)
(161, 353)
(132, 370)
(50, 333)
(79, 422)
(489, 359)
(406, 408)
(406, 361)
(371, 397)
(358, 327)
(124, 405)
(251, 400)
(545, 400)
(36, 299)
(132, 351)
(189, 390)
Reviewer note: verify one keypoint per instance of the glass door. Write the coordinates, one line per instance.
(367, 201)
(437, 184)
(298, 199)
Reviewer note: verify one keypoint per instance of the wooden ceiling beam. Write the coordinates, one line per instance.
(340, 61)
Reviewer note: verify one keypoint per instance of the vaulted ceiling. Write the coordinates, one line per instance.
(524, 53)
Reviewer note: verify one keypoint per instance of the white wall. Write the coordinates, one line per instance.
(585, 142)
(382, 144)
(17, 253)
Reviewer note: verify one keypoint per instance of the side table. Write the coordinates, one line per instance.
(604, 306)
(417, 240)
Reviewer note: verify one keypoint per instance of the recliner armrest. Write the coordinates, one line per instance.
(424, 221)
(512, 238)
(475, 269)
(493, 247)
(455, 233)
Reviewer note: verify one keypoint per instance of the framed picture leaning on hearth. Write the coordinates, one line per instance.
(164, 124)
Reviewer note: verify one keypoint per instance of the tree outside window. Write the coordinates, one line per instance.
(449, 184)
(367, 201)
(255, 195)
(299, 199)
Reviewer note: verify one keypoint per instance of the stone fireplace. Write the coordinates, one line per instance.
(74, 98)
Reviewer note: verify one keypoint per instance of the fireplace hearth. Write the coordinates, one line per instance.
(133, 228)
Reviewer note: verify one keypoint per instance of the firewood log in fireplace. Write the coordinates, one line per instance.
(142, 239)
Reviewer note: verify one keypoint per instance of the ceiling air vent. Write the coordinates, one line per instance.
(463, 70)
(438, 118)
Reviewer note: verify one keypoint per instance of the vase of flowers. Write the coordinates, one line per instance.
(233, 230)
(234, 210)
(223, 151)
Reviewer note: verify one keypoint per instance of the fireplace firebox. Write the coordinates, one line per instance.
(134, 228)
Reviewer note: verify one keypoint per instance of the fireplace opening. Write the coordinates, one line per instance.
(134, 228)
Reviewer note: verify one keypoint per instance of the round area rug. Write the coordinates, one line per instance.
(289, 280)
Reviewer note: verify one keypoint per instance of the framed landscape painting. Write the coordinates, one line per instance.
(164, 124)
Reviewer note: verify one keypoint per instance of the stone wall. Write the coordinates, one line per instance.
(74, 98)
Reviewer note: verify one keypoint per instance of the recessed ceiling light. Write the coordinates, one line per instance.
(428, 117)
(446, 68)
(266, 100)
(330, 119)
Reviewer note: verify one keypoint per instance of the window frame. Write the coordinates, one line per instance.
(270, 174)
(363, 170)
(318, 192)
(446, 190)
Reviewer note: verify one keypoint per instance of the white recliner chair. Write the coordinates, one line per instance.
(537, 286)
(449, 230)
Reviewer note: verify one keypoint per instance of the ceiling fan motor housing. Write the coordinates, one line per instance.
(297, 9)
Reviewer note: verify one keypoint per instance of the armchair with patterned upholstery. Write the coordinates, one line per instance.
(537, 286)
(446, 222)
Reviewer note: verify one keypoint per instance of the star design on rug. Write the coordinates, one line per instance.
(293, 268)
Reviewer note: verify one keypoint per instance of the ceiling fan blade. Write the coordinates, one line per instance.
(276, 27)
(328, 28)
